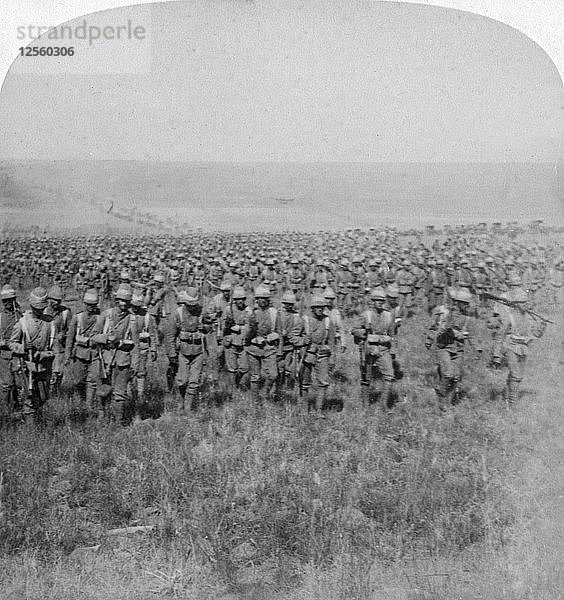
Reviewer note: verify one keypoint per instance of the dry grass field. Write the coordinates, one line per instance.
(238, 501)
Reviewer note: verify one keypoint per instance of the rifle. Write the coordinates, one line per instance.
(512, 305)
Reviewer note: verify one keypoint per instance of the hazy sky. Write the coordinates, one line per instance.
(292, 81)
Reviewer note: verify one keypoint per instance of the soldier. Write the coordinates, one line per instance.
(8, 365)
(404, 282)
(216, 311)
(147, 327)
(436, 285)
(187, 345)
(392, 305)
(119, 341)
(32, 339)
(316, 335)
(449, 331)
(288, 357)
(262, 338)
(373, 332)
(517, 330)
(60, 317)
(237, 315)
(78, 348)
(336, 319)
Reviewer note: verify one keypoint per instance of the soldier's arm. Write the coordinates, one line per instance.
(17, 342)
(71, 334)
(359, 330)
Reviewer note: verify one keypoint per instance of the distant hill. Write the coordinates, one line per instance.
(276, 196)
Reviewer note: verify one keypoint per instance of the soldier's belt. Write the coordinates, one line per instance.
(191, 338)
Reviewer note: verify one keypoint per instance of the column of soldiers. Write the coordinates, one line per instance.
(264, 320)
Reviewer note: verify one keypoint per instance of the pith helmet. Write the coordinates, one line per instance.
(262, 292)
(289, 298)
(318, 302)
(225, 286)
(55, 293)
(123, 293)
(329, 294)
(137, 301)
(189, 297)
(463, 295)
(90, 296)
(392, 291)
(239, 294)
(38, 298)
(378, 294)
(8, 293)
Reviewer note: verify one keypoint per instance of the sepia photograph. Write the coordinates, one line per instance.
(281, 300)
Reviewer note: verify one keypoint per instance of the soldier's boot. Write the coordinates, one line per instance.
(450, 392)
(365, 393)
(387, 394)
(513, 386)
(255, 392)
(309, 396)
(192, 399)
(182, 401)
(118, 412)
(320, 398)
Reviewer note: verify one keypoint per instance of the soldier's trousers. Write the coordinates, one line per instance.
(265, 366)
(189, 376)
(39, 393)
(88, 374)
(405, 302)
(286, 367)
(516, 364)
(449, 375)
(141, 372)
(7, 386)
(315, 381)
(378, 371)
(237, 363)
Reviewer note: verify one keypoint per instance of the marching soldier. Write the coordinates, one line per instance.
(119, 342)
(8, 365)
(81, 351)
(449, 332)
(32, 339)
(316, 335)
(237, 317)
(187, 345)
(217, 310)
(288, 354)
(373, 332)
(518, 329)
(336, 319)
(60, 317)
(262, 338)
(146, 325)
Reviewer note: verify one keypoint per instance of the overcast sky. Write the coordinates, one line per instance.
(292, 81)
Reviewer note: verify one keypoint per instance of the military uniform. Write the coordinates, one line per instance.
(373, 331)
(187, 349)
(8, 365)
(32, 339)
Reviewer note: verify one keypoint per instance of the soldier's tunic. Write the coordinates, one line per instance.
(233, 341)
(8, 365)
(146, 325)
(120, 356)
(404, 281)
(262, 338)
(336, 320)
(186, 347)
(32, 339)
(61, 321)
(85, 355)
(217, 311)
(317, 336)
(517, 331)
(374, 331)
(449, 331)
(287, 354)
(436, 284)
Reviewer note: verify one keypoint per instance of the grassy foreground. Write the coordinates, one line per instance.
(270, 502)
